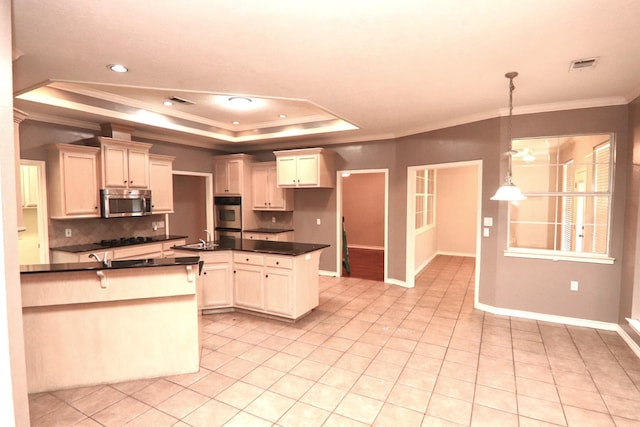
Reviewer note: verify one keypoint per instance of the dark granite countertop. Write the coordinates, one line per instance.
(90, 247)
(260, 246)
(113, 265)
(268, 230)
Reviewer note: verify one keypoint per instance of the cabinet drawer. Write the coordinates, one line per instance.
(248, 258)
(280, 262)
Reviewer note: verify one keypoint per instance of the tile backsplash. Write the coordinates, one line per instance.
(89, 230)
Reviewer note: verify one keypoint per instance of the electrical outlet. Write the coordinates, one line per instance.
(318, 221)
(485, 232)
(67, 232)
(574, 285)
(273, 219)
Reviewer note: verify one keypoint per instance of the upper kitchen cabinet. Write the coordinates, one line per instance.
(72, 181)
(161, 183)
(125, 164)
(309, 167)
(231, 174)
(267, 196)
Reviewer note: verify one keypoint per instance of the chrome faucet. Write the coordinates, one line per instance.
(104, 259)
(208, 236)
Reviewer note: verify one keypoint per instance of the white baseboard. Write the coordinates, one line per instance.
(397, 283)
(375, 248)
(465, 254)
(424, 264)
(573, 321)
(630, 342)
(327, 273)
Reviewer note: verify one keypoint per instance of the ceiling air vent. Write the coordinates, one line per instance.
(583, 64)
(181, 100)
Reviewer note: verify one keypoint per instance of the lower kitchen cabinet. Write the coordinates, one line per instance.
(247, 281)
(284, 286)
(214, 284)
(285, 236)
(278, 291)
(215, 280)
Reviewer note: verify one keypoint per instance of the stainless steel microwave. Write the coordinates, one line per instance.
(116, 203)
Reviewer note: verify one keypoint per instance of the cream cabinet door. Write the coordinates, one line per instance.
(287, 175)
(115, 166)
(307, 170)
(278, 291)
(215, 289)
(80, 182)
(161, 183)
(248, 287)
(260, 187)
(220, 177)
(137, 168)
(234, 176)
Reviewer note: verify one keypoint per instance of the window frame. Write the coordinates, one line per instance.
(564, 255)
(429, 200)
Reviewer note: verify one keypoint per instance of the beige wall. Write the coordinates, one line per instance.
(363, 209)
(457, 210)
(189, 217)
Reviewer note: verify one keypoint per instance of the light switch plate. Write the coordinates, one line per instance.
(485, 232)
(488, 221)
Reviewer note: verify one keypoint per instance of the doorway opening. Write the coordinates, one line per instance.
(192, 205)
(33, 242)
(362, 218)
(448, 220)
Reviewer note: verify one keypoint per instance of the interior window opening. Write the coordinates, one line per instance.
(567, 181)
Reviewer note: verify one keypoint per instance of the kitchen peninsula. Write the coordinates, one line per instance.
(270, 278)
(92, 322)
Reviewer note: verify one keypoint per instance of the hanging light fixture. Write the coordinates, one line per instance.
(508, 191)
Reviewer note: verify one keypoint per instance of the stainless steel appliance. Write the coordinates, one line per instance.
(117, 203)
(228, 212)
(226, 236)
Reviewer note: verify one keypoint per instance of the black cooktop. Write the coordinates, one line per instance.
(123, 241)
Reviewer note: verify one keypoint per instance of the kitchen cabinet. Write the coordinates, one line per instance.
(29, 186)
(161, 183)
(247, 281)
(231, 174)
(285, 236)
(309, 167)
(215, 288)
(278, 286)
(125, 164)
(267, 196)
(72, 181)
(215, 283)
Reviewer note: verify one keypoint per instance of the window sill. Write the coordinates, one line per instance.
(557, 256)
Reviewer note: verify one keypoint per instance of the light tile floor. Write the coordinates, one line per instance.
(374, 354)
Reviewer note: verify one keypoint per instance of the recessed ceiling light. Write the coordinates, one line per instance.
(283, 116)
(236, 123)
(167, 103)
(118, 68)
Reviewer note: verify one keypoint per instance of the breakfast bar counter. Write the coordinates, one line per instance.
(91, 323)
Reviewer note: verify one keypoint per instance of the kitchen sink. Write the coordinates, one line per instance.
(199, 246)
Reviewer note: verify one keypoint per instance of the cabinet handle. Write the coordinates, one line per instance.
(234, 272)
(125, 181)
(205, 273)
(266, 275)
(247, 259)
(277, 262)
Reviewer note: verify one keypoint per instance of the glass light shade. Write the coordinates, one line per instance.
(508, 192)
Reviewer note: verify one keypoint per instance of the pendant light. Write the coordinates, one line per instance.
(508, 191)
